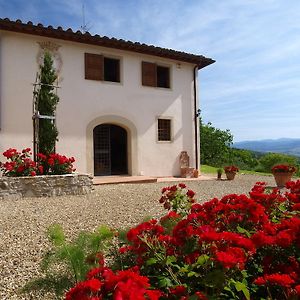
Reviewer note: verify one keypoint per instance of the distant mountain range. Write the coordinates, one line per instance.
(283, 145)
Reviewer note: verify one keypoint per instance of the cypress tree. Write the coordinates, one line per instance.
(46, 103)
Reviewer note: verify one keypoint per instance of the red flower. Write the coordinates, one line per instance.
(41, 169)
(231, 169)
(232, 257)
(283, 169)
(190, 193)
(51, 161)
(178, 290)
(20, 169)
(200, 296)
(276, 279)
(182, 185)
(41, 156)
(27, 150)
(10, 153)
(173, 188)
(32, 173)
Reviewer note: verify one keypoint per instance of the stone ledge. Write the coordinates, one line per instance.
(46, 185)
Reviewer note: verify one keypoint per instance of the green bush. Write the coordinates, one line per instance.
(67, 263)
(270, 159)
(244, 159)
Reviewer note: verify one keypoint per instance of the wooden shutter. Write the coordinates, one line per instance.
(149, 77)
(93, 66)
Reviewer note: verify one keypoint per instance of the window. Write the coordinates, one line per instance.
(155, 75)
(111, 69)
(164, 130)
(98, 67)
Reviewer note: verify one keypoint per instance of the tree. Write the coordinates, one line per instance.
(244, 159)
(46, 104)
(270, 159)
(214, 145)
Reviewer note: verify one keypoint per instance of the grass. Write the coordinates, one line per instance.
(213, 170)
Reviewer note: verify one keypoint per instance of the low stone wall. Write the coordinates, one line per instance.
(46, 185)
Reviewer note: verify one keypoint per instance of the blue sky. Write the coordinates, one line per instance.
(253, 89)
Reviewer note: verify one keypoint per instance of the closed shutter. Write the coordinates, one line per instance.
(149, 74)
(93, 66)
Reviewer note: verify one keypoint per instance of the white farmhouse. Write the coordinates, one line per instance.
(125, 108)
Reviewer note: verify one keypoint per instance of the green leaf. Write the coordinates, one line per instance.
(202, 260)
(170, 260)
(215, 279)
(164, 282)
(183, 270)
(151, 261)
(242, 287)
(192, 273)
(56, 235)
(105, 232)
(243, 231)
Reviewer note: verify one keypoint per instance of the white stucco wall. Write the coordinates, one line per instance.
(85, 104)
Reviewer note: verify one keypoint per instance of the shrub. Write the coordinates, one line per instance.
(271, 159)
(55, 164)
(21, 164)
(18, 164)
(238, 247)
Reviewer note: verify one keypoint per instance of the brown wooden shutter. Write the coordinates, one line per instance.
(149, 74)
(93, 66)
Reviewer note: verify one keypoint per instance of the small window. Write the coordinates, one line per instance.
(111, 69)
(98, 67)
(154, 75)
(163, 77)
(164, 130)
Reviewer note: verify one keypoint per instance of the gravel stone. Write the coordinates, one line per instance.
(24, 221)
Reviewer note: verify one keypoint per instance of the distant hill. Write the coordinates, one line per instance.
(283, 145)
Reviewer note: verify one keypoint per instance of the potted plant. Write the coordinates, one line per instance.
(219, 172)
(283, 173)
(231, 171)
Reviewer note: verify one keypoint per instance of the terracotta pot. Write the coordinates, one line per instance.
(282, 178)
(230, 175)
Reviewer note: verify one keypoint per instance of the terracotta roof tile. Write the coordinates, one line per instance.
(86, 38)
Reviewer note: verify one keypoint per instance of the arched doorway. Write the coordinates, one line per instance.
(110, 150)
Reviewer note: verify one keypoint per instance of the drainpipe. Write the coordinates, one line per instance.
(196, 115)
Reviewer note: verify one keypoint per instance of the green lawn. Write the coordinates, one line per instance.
(213, 170)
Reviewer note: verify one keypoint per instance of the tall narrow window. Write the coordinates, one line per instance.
(155, 75)
(98, 67)
(164, 130)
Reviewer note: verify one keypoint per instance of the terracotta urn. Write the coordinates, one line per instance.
(230, 175)
(282, 178)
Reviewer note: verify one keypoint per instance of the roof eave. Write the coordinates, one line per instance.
(87, 38)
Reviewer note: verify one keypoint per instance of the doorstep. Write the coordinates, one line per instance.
(115, 179)
(98, 180)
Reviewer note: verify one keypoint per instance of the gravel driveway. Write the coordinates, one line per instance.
(24, 222)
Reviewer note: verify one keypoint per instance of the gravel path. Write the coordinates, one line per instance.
(24, 222)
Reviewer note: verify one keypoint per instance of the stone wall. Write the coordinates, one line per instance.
(46, 185)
